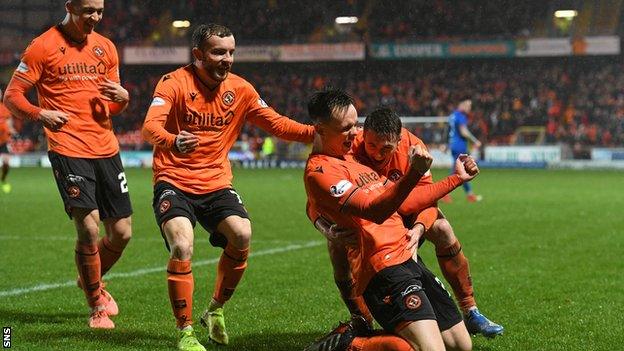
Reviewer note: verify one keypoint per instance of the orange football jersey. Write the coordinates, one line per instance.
(397, 166)
(67, 75)
(183, 102)
(332, 182)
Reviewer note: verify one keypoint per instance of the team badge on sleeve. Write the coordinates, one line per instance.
(340, 189)
(158, 102)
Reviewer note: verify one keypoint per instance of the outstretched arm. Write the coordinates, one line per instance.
(379, 208)
(425, 196)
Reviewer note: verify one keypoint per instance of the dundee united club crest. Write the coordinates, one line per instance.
(228, 98)
(412, 301)
(73, 191)
(98, 51)
(164, 206)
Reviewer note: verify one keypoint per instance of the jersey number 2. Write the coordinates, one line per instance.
(123, 182)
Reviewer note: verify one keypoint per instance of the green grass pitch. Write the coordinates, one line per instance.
(545, 249)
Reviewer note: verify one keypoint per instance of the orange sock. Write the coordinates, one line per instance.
(229, 272)
(454, 266)
(109, 254)
(88, 264)
(180, 283)
(379, 343)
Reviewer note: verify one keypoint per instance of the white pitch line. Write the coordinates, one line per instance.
(140, 272)
(134, 239)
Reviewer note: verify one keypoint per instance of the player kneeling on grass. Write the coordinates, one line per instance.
(355, 197)
(384, 146)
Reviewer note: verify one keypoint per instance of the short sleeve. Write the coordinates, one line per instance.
(330, 186)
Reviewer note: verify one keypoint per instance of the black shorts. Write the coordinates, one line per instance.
(409, 292)
(98, 183)
(4, 148)
(207, 209)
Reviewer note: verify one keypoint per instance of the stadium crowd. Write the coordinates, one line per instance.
(136, 22)
(578, 102)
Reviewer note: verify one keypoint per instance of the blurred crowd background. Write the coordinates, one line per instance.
(578, 101)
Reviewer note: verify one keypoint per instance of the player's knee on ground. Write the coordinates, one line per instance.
(423, 335)
(457, 338)
(441, 233)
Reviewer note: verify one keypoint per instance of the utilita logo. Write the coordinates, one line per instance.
(77, 71)
(82, 67)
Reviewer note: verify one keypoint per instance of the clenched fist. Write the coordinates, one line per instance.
(420, 159)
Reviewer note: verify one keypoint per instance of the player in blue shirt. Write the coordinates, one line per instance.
(458, 141)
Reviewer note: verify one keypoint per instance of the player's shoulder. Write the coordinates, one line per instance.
(319, 165)
(45, 40)
(177, 76)
(239, 84)
(411, 137)
(102, 40)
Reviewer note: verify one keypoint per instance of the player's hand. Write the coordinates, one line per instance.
(420, 159)
(466, 167)
(414, 236)
(113, 91)
(331, 231)
(477, 144)
(186, 142)
(53, 120)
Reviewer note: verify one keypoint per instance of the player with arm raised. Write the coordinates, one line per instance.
(354, 196)
(76, 73)
(195, 117)
(384, 146)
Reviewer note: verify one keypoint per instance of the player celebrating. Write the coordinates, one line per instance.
(458, 137)
(195, 117)
(76, 73)
(384, 146)
(5, 136)
(353, 196)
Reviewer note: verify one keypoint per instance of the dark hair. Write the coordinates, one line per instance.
(323, 103)
(205, 31)
(384, 122)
